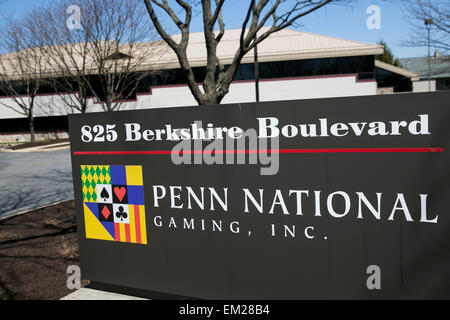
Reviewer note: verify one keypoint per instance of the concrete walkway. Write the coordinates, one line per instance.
(34, 179)
(44, 148)
(92, 294)
(47, 148)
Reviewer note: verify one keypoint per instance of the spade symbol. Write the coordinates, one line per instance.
(121, 214)
(104, 194)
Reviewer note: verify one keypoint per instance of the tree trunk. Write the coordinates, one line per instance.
(208, 98)
(31, 125)
(83, 106)
(82, 98)
(109, 104)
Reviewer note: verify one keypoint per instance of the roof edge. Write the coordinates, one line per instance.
(403, 72)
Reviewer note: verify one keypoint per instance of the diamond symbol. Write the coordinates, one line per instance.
(105, 212)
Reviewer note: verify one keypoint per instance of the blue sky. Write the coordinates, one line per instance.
(336, 21)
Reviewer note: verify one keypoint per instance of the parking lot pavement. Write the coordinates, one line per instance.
(32, 180)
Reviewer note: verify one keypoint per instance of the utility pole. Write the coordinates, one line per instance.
(428, 23)
(256, 67)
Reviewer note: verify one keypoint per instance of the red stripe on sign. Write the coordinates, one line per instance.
(137, 222)
(361, 150)
(335, 150)
(117, 231)
(127, 232)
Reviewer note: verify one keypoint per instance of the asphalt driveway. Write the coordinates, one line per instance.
(34, 179)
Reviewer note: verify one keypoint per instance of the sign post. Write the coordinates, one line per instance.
(311, 199)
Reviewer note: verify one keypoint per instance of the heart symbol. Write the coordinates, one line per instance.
(120, 192)
(106, 212)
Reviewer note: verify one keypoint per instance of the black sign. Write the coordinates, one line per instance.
(330, 198)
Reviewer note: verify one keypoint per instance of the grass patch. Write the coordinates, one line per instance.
(68, 250)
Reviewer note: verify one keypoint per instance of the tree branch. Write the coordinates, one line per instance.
(159, 27)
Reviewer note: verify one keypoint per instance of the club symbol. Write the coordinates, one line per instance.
(104, 194)
(121, 214)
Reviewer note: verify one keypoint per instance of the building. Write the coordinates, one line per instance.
(292, 65)
(439, 72)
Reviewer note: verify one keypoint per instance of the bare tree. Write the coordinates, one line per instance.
(21, 71)
(103, 58)
(65, 51)
(279, 13)
(115, 31)
(439, 12)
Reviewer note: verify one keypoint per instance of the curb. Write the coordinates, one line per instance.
(40, 148)
(34, 209)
